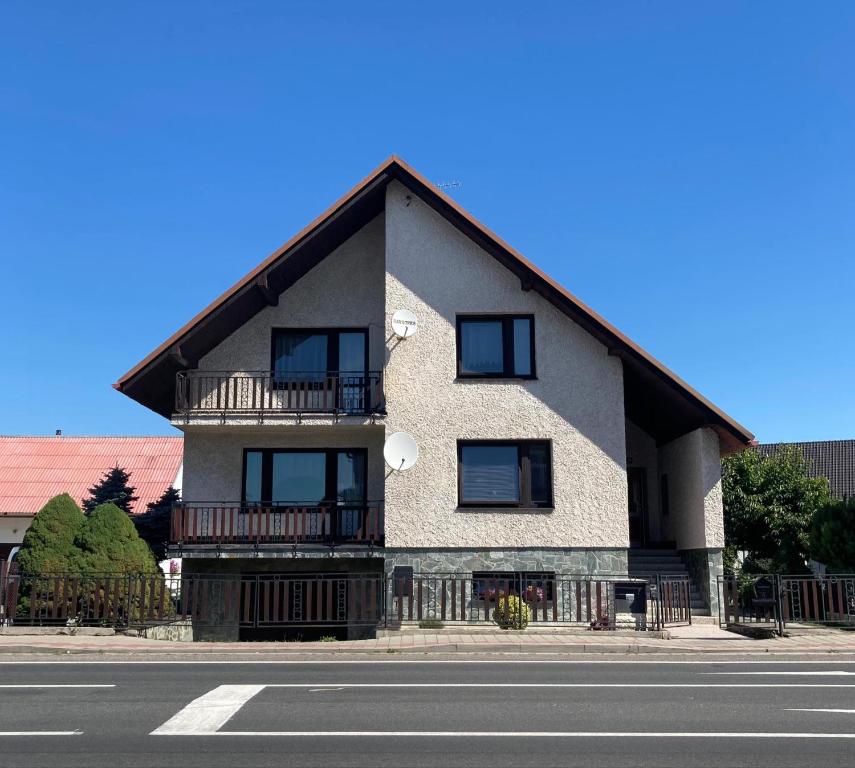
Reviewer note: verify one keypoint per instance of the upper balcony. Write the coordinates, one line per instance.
(259, 394)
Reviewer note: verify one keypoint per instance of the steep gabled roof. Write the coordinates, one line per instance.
(656, 398)
(35, 469)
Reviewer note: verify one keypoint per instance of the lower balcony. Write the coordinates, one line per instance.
(237, 523)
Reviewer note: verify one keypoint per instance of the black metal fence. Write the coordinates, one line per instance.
(330, 599)
(774, 600)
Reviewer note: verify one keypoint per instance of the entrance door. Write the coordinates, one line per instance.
(637, 482)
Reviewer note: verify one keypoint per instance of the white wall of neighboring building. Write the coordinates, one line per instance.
(12, 529)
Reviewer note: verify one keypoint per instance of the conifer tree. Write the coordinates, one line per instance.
(112, 488)
(153, 525)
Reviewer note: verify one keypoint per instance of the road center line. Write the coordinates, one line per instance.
(209, 712)
(840, 711)
(41, 733)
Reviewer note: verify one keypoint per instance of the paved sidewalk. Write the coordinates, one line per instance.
(694, 639)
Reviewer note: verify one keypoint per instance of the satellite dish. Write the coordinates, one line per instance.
(400, 451)
(404, 323)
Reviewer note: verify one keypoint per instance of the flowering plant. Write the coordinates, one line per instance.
(533, 594)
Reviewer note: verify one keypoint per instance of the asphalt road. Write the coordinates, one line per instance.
(415, 713)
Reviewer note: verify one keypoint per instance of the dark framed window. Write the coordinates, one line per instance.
(304, 353)
(495, 346)
(298, 477)
(504, 473)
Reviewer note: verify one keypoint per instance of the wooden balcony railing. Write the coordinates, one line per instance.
(238, 523)
(259, 392)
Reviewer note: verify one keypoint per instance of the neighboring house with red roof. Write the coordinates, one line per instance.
(34, 469)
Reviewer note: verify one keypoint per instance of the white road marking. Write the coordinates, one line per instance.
(544, 734)
(51, 685)
(209, 712)
(41, 733)
(560, 685)
(841, 711)
(811, 673)
(516, 661)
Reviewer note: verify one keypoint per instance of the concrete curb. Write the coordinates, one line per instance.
(467, 649)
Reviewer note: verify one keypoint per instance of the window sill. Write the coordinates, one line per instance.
(494, 378)
(506, 509)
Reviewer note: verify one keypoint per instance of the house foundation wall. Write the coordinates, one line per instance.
(583, 561)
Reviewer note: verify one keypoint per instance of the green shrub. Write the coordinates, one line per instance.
(511, 613)
(48, 545)
(431, 624)
(832, 536)
(109, 543)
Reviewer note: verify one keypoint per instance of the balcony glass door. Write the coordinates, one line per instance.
(321, 370)
(299, 480)
(327, 486)
(352, 354)
(350, 492)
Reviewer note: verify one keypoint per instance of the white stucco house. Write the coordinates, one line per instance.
(548, 441)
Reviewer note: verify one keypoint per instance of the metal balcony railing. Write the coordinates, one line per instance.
(259, 392)
(329, 523)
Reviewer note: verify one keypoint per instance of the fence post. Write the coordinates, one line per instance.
(129, 601)
(779, 605)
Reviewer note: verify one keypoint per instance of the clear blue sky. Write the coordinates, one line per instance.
(687, 169)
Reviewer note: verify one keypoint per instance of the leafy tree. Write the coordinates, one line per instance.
(48, 545)
(153, 525)
(109, 543)
(769, 502)
(112, 488)
(832, 536)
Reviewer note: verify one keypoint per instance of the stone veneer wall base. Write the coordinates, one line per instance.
(704, 567)
(586, 561)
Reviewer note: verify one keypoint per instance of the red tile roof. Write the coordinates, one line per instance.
(34, 469)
